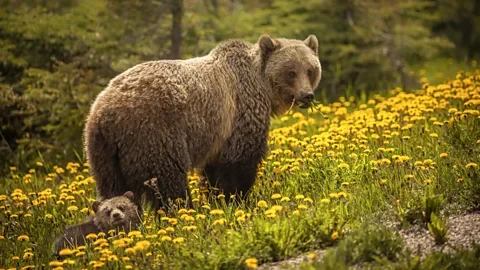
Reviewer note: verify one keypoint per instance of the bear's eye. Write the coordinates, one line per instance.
(120, 208)
(292, 74)
(310, 73)
(109, 211)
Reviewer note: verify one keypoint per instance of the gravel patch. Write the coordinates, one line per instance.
(463, 232)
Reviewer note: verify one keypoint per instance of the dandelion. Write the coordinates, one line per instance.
(166, 238)
(220, 221)
(276, 196)
(178, 240)
(262, 204)
(325, 200)
(217, 212)
(471, 165)
(144, 244)
(201, 216)
(72, 208)
(285, 199)
(239, 213)
(299, 197)
(334, 236)
(55, 264)
(311, 256)
(65, 252)
(91, 236)
(302, 207)
(296, 212)
(131, 251)
(251, 263)
(343, 166)
(27, 255)
(443, 155)
(309, 200)
(23, 238)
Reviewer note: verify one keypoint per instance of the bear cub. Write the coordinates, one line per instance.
(117, 213)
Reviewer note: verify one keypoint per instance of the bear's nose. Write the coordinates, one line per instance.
(308, 97)
(116, 215)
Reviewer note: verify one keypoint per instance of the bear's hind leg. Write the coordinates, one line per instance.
(234, 177)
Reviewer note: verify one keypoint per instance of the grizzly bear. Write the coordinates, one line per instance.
(160, 119)
(116, 213)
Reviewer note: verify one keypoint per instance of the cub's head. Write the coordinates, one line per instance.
(116, 212)
(292, 70)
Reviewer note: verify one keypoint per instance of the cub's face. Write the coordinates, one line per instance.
(292, 69)
(115, 212)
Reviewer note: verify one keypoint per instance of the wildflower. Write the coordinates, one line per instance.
(241, 219)
(143, 245)
(55, 264)
(408, 176)
(285, 199)
(178, 240)
(299, 197)
(471, 165)
(277, 208)
(170, 229)
(201, 216)
(296, 213)
(220, 221)
(434, 135)
(276, 196)
(334, 236)
(23, 238)
(443, 155)
(80, 254)
(383, 182)
(308, 200)
(65, 252)
(262, 204)
(239, 213)
(173, 221)
(182, 211)
(91, 236)
(302, 206)
(130, 251)
(27, 255)
(325, 200)
(72, 208)
(166, 238)
(217, 212)
(251, 263)
(343, 166)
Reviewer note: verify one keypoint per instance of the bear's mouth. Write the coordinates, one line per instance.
(303, 105)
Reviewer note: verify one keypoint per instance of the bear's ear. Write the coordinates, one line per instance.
(129, 195)
(312, 42)
(95, 206)
(267, 44)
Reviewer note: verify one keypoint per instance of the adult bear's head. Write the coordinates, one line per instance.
(292, 70)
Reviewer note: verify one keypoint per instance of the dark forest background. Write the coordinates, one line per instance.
(56, 56)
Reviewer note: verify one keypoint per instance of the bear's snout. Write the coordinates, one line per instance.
(116, 215)
(305, 99)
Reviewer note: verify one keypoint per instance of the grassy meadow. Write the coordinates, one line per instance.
(336, 175)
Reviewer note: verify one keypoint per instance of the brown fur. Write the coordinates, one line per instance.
(116, 213)
(160, 119)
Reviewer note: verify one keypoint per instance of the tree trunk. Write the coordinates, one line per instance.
(176, 35)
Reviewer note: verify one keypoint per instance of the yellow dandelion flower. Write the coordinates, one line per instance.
(251, 263)
(217, 212)
(408, 176)
(334, 235)
(27, 255)
(178, 240)
(434, 135)
(220, 221)
(299, 197)
(65, 252)
(443, 155)
(302, 206)
(173, 221)
(72, 208)
(182, 211)
(311, 256)
(343, 166)
(325, 200)
(80, 254)
(262, 204)
(239, 213)
(206, 206)
(55, 264)
(309, 200)
(2, 237)
(23, 238)
(166, 238)
(91, 236)
(471, 165)
(201, 216)
(276, 196)
(130, 251)
(285, 199)
(241, 219)
(296, 212)
(112, 258)
(383, 181)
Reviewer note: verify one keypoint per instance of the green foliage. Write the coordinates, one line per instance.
(438, 228)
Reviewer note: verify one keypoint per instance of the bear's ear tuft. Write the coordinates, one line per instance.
(129, 195)
(95, 206)
(312, 42)
(267, 44)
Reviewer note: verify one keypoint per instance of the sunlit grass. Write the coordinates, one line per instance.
(331, 170)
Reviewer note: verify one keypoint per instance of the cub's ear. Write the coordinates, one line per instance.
(129, 195)
(267, 44)
(95, 206)
(312, 42)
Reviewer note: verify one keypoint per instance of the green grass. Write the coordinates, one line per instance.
(334, 173)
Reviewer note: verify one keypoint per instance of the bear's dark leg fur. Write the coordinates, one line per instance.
(103, 161)
(233, 177)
